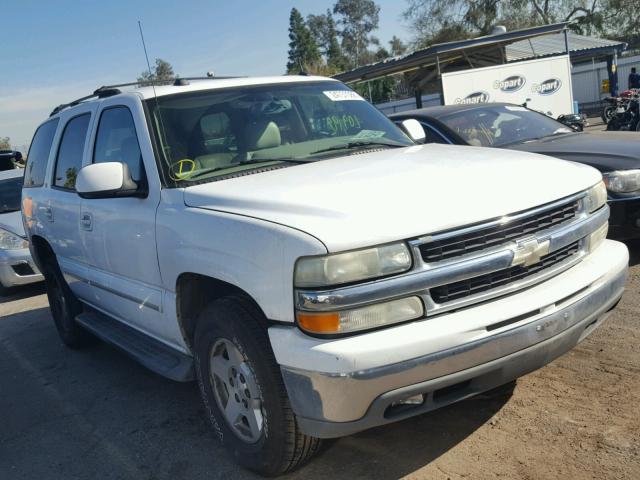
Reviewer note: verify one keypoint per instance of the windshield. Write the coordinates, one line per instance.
(214, 134)
(10, 192)
(499, 125)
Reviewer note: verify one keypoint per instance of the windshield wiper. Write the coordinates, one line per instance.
(249, 162)
(360, 144)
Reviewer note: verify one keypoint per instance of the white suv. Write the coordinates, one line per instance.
(318, 273)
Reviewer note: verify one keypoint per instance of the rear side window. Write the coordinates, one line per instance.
(36, 167)
(69, 160)
(117, 141)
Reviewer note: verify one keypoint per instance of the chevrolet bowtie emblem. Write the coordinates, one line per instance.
(528, 252)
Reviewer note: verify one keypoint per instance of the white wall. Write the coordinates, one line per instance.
(587, 78)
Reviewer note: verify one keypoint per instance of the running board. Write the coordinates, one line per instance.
(151, 353)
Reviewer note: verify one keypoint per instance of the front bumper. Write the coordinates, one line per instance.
(18, 268)
(339, 387)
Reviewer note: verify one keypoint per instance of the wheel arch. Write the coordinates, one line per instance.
(195, 291)
(41, 251)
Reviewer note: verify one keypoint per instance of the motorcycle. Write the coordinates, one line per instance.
(626, 116)
(614, 103)
(576, 121)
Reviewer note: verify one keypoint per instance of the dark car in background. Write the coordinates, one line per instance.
(10, 159)
(501, 125)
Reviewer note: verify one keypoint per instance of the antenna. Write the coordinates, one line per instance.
(144, 47)
(155, 96)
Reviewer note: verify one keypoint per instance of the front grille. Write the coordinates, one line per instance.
(472, 286)
(488, 237)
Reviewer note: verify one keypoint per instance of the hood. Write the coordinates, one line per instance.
(605, 151)
(378, 197)
(12, 222)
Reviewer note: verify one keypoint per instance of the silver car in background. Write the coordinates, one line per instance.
(16, 264)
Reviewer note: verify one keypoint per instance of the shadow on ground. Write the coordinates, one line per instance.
(97, 414)
(19, 293)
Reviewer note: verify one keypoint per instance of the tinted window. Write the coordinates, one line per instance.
(117, 141)
(500, 125)
(431, 135)
(69, 160)
(10, 192)
(39, 154)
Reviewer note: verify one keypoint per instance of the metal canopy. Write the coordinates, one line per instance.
(475, 52)
(581, 48)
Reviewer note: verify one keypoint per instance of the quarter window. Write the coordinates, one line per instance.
(117, 141)
(38, 156)
(69, 160)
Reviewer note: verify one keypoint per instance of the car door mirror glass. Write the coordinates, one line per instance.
(106, 180)
(413, 129)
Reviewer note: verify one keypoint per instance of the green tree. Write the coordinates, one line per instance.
(398, 47)
(324, 34)
(303, 51)
(5, 143)
(356, 20)
(162, 72)
(435, 21)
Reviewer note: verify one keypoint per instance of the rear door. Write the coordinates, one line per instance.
(118, 234)
(57, 210)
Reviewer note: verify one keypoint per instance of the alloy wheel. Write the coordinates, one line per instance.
(236, 391)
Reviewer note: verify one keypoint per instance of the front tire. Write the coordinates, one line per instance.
(243, 391)
(64, 308)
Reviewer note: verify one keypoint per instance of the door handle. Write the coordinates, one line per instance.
(86, 221)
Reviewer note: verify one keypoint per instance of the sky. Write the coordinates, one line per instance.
(56, 51)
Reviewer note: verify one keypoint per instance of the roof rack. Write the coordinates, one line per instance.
(110, 90)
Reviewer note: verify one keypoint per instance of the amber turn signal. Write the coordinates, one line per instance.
(328, 322)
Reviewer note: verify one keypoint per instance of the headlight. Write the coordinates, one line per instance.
(353, 266)
(623, 181)
(361, 318)
(596, 197)
(11, 241)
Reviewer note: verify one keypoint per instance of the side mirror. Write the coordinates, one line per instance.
(413, 128)
(106, 180)
(18, 156)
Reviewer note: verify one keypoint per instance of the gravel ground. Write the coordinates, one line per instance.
(97, 414)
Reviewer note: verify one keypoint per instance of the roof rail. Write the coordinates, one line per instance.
(110, 90)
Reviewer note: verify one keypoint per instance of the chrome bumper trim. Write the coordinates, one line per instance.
(423, 277)
(330, 405)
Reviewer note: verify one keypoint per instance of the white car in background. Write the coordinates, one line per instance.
(16, 265)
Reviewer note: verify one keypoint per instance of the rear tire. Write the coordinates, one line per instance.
(243, 392)
(64, 308)
(607, 113)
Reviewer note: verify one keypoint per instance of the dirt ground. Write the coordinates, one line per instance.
(95, 414)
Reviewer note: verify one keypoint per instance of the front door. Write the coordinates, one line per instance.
(119, 233)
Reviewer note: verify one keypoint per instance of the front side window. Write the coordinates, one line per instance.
(10, 193)
(69, 161)
(500, 125)
(216, 134)
(38, 156)
(117, 141)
